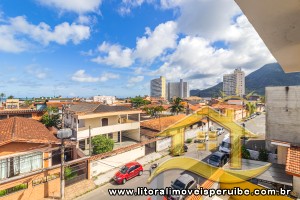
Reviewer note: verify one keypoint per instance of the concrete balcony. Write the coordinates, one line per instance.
(84, 131)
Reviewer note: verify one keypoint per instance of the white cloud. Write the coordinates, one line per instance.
(17, 33)
(81, 76)
(127, 5)
(155, 43)
(35, 70)
(136, 79)
(114, 55)
(132, 81)
(78, 6)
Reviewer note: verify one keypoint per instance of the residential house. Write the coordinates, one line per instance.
(239, 111)
(12, 104)
(25, 160)
(91, 119)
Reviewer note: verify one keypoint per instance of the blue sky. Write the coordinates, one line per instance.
(114, 47)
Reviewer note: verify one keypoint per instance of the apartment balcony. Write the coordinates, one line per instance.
(83, 132)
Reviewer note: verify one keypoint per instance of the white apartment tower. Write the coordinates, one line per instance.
(178, 89)
(234, 84)
(158, 87)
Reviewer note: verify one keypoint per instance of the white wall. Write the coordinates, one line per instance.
(192, 133)
(104, 165)
(254, 155)
(163, 144)
(132, 134)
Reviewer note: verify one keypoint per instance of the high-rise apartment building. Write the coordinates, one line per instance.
(234, 84)
(158, 87)
(178, 89)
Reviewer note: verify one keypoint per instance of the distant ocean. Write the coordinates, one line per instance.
(21, 99)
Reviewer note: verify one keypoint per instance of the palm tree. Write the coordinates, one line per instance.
(251, 108)
(2, 95)
(177, 106)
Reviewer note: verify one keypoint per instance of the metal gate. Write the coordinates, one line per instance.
(76, 172)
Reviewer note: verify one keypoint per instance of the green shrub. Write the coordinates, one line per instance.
(263, 155)
(101, 144)
(189, 140)
(69, 173)
(3, 193)
(245, 153)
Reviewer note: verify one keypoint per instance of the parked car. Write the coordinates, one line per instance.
(220, 131)
(128, 171)
(184, 182)
(217, 159)
(252, 116)
(185, 148)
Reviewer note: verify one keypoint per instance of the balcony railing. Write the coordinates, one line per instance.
(84, 131)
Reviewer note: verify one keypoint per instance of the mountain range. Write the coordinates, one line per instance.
(268, 75)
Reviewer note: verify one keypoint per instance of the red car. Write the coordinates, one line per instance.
(128, 171)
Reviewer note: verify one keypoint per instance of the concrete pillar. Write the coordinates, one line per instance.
(296, 184)
(127, 116)
(139, 117)
(157, 182)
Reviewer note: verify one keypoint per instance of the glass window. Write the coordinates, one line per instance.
(14, 166)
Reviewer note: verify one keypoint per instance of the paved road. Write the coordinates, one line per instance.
(257, 125)
(140, 181)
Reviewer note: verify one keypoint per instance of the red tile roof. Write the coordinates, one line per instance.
(161, 123)
(227, 106)
(293, 161)
(19, 129)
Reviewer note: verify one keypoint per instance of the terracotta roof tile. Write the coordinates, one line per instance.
(227, 106)
(293, 161)
(161, 123)
(19, 129)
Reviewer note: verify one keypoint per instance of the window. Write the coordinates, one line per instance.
(82, 144)
(14, 166)
(104, 121)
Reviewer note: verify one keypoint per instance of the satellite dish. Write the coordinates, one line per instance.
(64, 133)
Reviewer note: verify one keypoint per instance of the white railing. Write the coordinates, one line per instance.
(81, 134)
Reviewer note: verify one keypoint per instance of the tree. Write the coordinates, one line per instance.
(10, 97)
(153, 111)
(101, 144)
(139, 101)
(250, 107)
(177, 106)
(2, 95)
(51, 117)
(263, 155)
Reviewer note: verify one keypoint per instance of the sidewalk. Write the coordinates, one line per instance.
(107, 176)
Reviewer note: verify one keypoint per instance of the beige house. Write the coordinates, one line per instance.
(12, 104)
(90, 119)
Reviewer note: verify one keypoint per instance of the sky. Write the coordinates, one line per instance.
(115, 47)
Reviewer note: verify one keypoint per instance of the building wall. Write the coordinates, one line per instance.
(158, 87)
(132, 134)
(48, 189)
(282, 115)
(281, 154)
(104, 165)
(234, 84)
(178, 89)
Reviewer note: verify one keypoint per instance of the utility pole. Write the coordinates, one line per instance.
(62, 170)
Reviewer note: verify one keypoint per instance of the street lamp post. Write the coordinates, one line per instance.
(63, 134)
